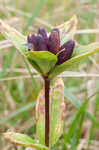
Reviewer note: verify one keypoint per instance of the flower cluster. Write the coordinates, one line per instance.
(41, 42)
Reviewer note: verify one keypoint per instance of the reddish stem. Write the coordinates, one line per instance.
(47, 111)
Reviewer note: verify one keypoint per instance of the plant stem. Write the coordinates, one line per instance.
(47, 111)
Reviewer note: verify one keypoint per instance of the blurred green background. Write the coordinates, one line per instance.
(18, 91)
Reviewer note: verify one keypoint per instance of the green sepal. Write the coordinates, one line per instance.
(44, 60)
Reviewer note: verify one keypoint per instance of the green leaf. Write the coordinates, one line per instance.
(18, 41)
(14, 36)
(60, 68)
(57, 111)
(84, 49)
(67, 29)
(44, 59)
(57, 108)
(23, 140)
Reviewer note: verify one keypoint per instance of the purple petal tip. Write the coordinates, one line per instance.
(43, 33)
(54, 42)
(31, 38)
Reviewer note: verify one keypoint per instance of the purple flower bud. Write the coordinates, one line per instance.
(54, 41)
(43, 33)
(31, 38)
(66, 51)
(36, 42)
(40, 44)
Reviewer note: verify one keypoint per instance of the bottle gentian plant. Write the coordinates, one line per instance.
(41, 42)
(50, 56)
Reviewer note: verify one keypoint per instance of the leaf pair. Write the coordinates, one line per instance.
(57, 112)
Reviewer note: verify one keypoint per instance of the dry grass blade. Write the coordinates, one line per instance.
(64, 75)
(5, 44)
(83, 145)
(87, 31)
(5, 29)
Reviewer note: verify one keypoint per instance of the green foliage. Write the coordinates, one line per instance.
(23, 140)
(77, 119)
(68, 95)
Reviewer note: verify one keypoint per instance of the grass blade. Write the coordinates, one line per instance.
(17, 112)
(35, 13)
(74, 123)
(77, 105)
